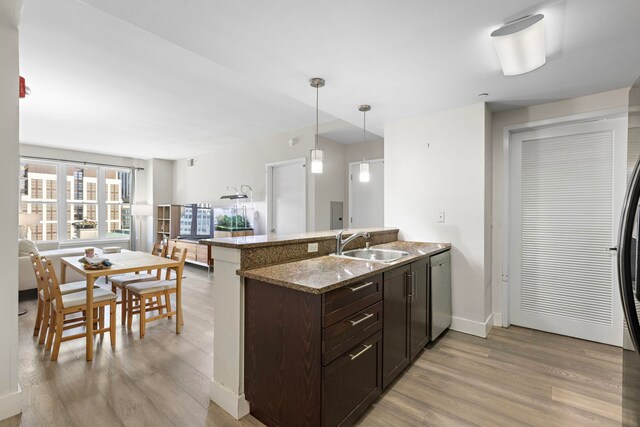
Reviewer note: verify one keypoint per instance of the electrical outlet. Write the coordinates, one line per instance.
(312, 247)
(441, 217)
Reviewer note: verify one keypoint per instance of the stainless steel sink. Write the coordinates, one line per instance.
(381, 255)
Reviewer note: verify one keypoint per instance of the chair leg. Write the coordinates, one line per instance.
(143, 315)
(52, 329)
(167, 300)
(58, 340)
(112, 323)
(38, 325)
(159, 302)
(46, 320)
(129, 309)
(123, 305)
(101, 320)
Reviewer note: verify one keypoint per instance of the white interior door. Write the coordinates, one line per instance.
(287, 198)
(366, 199)
(566, 189)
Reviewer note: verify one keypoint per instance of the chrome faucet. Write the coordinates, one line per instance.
(341, 243)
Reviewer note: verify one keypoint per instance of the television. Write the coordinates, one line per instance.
(196, 222)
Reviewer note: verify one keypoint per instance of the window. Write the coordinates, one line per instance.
(39, 196)
(95, 201)
(82, 202)
(117, 188)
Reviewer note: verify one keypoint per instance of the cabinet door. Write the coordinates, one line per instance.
(351, 383)
(395, 343)
(418, 303)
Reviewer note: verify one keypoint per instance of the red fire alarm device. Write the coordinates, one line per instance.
(23, 87)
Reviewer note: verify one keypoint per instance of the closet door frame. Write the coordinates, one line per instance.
(504, 319)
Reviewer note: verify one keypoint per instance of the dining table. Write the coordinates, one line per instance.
(121, 263)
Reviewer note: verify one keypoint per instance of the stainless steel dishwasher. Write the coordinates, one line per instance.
(440, 294)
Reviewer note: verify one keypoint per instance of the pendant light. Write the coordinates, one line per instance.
(364, 166)
(317, 155)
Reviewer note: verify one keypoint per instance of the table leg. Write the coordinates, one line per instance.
(63, 273)
(179, 301)
(90, 282)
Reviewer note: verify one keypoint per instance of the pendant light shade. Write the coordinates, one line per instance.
(364, 172)
(316, 160)
(317, 155)
(521, 45)
(365, 176)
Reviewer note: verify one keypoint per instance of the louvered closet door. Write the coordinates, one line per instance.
(567, 185)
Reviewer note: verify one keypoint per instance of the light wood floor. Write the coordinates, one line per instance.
(515, 377)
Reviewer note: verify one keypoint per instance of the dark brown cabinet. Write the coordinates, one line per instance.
(352, 382)
(405, 329)
(418, 307)
(323, 359)
(395, 343)
(312, 360)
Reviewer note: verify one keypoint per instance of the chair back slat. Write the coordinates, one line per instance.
(41, 280)
(178, 254)
(52, 281)
(159, 249)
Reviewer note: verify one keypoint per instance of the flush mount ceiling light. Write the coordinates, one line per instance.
(364, 166)
(317, 156)
(520, 45)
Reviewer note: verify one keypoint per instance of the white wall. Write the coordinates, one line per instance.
(371, 150)
(75, 155)
(329, 184)
(438, 162)
(245, 163)
(10, 400)
(556, 110)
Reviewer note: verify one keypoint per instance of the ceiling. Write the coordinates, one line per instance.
(170, 79)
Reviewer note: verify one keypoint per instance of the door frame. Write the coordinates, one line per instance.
(350, 186)
(508, 131)
(269, 177)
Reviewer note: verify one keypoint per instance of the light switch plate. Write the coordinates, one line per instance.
(312, 247)
(441, 217)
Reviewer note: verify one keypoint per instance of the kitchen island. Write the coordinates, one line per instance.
(298, 334)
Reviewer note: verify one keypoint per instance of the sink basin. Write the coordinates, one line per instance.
(382, 255)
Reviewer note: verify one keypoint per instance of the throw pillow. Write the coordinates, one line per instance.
(25, 247)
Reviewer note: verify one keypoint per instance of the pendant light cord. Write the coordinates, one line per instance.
(364, 134)
(317, 116)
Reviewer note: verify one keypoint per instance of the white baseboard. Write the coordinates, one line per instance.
(236, 405)
(472, 327)
(11, 404)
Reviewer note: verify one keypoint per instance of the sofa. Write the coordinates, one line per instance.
(52, 251)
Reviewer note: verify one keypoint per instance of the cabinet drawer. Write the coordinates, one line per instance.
(202, 251)
(343, 335)
(348, 300)
(352, 382)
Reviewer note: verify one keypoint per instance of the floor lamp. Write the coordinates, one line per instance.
(27, 221)
(139, 211)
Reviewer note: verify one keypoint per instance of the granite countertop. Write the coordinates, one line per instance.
(246, 242)
(325, 273)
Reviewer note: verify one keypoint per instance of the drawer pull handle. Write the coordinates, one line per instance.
(366, 316)
(357, 288)
(361, 352)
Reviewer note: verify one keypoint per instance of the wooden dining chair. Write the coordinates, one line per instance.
(145, 292)
(120, 281)
(63, 305)
(44, 298)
